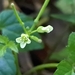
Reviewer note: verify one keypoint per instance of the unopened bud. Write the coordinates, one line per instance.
(46, 29)
(36, 39)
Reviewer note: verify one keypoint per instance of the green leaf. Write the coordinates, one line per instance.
(5, 43)
(66, 66)
(3, 39)
(63, 68)
(69, 1)
(59, 55)
(7, 18)
(13, 46)
(66, 6)
(2, 50)
(71, 47)
(7, 65)
(70, 73)
(71, 41)
(14, 30)
(65, 17)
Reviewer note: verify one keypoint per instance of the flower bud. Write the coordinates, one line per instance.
(46, 29)
(36, 39)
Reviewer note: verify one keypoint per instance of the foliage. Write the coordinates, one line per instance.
(11, 28)
(12, 25)
(66, 66)
(66, 56)
(18, 30)
(5, 44)
(60, 55)
(65, 17)
(65, 6)
(7, 65)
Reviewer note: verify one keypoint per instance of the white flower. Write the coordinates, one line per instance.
(46, 29)
(23, 40)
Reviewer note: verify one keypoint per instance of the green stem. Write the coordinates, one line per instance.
(40, 14)
(33, 31)
(17, 64)
(18, 18)
(34, 69)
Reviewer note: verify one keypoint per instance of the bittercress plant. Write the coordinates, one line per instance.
(25, 37)
(20, 30)
(16, 30)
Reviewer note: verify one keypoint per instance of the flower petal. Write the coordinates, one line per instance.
(44, 28)
(49, 28)
(22, 44)
(24, 35)
(29, 41)
(18, 40)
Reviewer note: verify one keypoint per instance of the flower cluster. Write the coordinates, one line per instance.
(25, 38)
